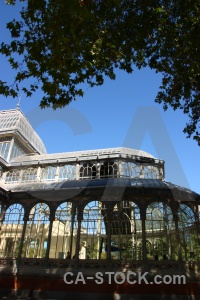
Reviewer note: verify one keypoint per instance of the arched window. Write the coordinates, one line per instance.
(150, 172)
(48, 173)
(12, 176)
(37, 230)
(125, 231)
(190, 246)
(160, 231)
(108, 169)
(93, 232)
(130, 169)
(11, 231)
(87, 171)
(67, 172)
(29, 174)
(64, 232)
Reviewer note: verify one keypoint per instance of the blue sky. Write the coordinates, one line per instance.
(119, 113)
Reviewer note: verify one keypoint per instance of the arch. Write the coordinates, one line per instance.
(48, 173)
(29, 174)
(160, 231)
(11, 231)
(67, 172)
(12, 176)
(150, 172)
(64, 232)
(108, 169)
(126, 231)
(93, 231)
(87, 171)
(130, 169)
(186, 215)
(37, 230)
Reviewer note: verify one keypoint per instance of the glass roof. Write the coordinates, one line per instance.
(14, 119)
(179, 193)
(85, 153)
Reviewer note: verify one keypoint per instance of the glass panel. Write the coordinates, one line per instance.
(130, 169)
(11, 231)
(4, 149)
(67, 172)
(93, 232)
(188, 233)
(12, 176)
(126, 231)
(37, 230)
(16, 151)
(87, 171)
(29, 174)
(151, 172)
(64, 231)
(160, 232)
(48, 173)
(108, 169)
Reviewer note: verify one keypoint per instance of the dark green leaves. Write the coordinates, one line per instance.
(62, 44)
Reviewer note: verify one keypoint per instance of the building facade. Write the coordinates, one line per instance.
(107, 209)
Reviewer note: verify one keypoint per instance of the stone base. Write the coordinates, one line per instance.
(35, 288)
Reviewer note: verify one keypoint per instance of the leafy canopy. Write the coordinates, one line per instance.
(61, 44)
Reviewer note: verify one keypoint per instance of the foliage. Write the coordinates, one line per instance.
(61, 44)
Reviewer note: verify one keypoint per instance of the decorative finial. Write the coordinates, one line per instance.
(18, 104)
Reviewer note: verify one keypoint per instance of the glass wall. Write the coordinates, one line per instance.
(89, 170)
(105, 232)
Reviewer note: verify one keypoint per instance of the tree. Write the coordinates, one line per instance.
(61, 44)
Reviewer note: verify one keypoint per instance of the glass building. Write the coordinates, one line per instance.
(91, 210)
